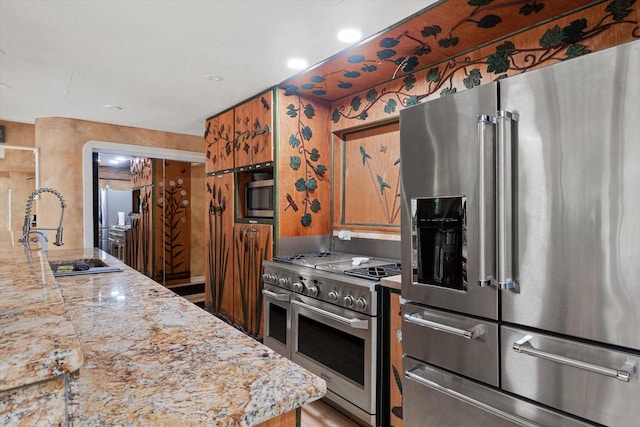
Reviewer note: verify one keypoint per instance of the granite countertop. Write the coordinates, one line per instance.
(37, 339)
(153, 358)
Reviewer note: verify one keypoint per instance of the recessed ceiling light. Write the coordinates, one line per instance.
(4, 86)
(297, 64)
(349, 35)
(112, 107)
(214, 78)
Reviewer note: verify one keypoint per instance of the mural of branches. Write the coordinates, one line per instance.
(219, 248)
(306, 162)
(173, 201)
(390, 210)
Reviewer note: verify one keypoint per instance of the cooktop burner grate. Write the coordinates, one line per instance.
(295, 257)
(375, 272)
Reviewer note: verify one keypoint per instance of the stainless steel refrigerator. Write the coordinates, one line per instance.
(110, 203)
(521, 228)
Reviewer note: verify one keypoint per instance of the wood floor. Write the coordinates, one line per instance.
(319, 414)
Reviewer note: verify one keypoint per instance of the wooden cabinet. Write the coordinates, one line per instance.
(163, 224)
(253, 244)
(253, 130)
(219, 292)
(395, 360)
(219, 137)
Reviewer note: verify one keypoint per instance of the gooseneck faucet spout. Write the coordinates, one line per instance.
(26, 229)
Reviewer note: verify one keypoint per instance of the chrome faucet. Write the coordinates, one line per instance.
(26, 228)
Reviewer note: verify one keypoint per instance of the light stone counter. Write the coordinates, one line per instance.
(392, 282)
(153, 358)
(38, 344)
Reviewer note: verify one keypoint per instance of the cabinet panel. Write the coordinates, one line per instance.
(242, 134)
(212, 147)
(253, 244)
(395, 356)
(173, 214)
(303, 167)
(220, 258)
(225, 140)
(262, 121)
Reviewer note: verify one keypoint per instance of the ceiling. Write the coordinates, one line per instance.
(151, 58)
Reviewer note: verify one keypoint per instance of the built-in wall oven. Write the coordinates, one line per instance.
(322, 312)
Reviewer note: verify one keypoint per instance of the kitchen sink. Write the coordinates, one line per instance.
(81, 266)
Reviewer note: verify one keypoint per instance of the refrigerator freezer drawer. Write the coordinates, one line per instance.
(593, 382)
(433, 397)
(466, 345)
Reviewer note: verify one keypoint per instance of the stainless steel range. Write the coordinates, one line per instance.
(321, 311)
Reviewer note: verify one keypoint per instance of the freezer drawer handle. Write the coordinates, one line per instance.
(354, 323)
(471, 401)
(623, 374)
(273, 295)
(469, 334)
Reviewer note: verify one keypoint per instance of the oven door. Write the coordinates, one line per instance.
(339, 346)
(277, 320)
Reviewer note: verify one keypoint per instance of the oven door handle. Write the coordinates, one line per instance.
(277, 297)
(354, 323)
(469, 334)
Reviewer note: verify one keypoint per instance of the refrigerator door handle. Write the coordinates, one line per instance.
(504, 205)
(624, 373)
(469, 334)
(486, 260)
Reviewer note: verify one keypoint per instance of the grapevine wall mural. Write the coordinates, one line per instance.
(563, 39)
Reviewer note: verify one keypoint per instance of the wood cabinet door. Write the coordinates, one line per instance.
(225, 137)
(253, 244)
(220, 258)
(261, 128)
(242, 134)
(173, 221)
(212, 147)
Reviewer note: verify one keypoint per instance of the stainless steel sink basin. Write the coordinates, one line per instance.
(81, 266)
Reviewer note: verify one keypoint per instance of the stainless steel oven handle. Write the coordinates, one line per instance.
(469, 334)
(504, 206)
(354, 323)
(278, 297)
(623, 374)
(486, 272)
(467, 399)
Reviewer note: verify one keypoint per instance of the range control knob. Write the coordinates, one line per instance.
(361, 304)
(283, 282)
(333, 296)
(312, 291)
(266, 277)
(298, 287)
(348, 301)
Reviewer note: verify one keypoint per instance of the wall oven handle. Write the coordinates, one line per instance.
(504, 206)
(623, 374)
(412, 375)
(354, 323)
(273, 295)
(486, 273)
(469, 334)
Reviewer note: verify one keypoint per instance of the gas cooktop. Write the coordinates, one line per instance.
(343, 263)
